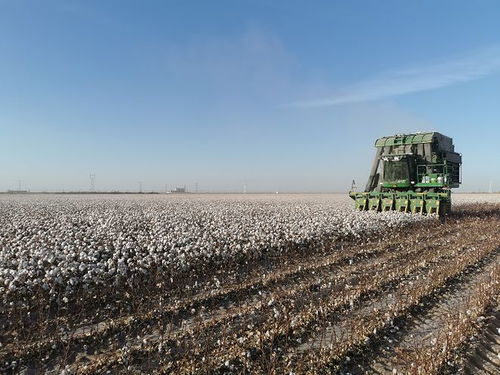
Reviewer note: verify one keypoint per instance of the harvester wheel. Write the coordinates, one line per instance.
(444, 210)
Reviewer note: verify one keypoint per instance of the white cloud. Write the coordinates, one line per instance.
(425, 77)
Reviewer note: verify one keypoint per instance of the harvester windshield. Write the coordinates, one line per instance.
(396, 170)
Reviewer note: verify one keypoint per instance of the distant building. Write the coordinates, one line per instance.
(179, 190)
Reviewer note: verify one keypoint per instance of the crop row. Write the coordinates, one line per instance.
(214, 340)
(357, 329)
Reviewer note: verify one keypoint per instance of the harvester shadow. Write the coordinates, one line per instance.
(480, 211)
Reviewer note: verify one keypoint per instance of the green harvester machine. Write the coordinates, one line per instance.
(412, 173)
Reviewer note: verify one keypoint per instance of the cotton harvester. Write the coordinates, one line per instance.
(412, 173)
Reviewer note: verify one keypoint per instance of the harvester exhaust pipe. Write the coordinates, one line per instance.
(373, 180)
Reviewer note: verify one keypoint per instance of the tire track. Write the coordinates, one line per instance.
(334, 346)
(485, 356)
(429, 339)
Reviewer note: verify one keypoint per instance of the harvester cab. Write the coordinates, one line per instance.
(412, 173)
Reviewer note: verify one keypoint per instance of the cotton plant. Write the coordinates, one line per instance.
(66, 242)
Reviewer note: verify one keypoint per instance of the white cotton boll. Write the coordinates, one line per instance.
(75, 240)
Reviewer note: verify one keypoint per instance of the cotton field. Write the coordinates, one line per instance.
(256, 283)
(72, 241)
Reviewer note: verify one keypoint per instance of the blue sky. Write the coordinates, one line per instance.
(277, 95)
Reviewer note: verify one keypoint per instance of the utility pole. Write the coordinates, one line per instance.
(196, 188)
(92, 182)
(140, 187)
(244, 188)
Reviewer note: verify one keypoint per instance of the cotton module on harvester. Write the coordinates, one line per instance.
(412, 173)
